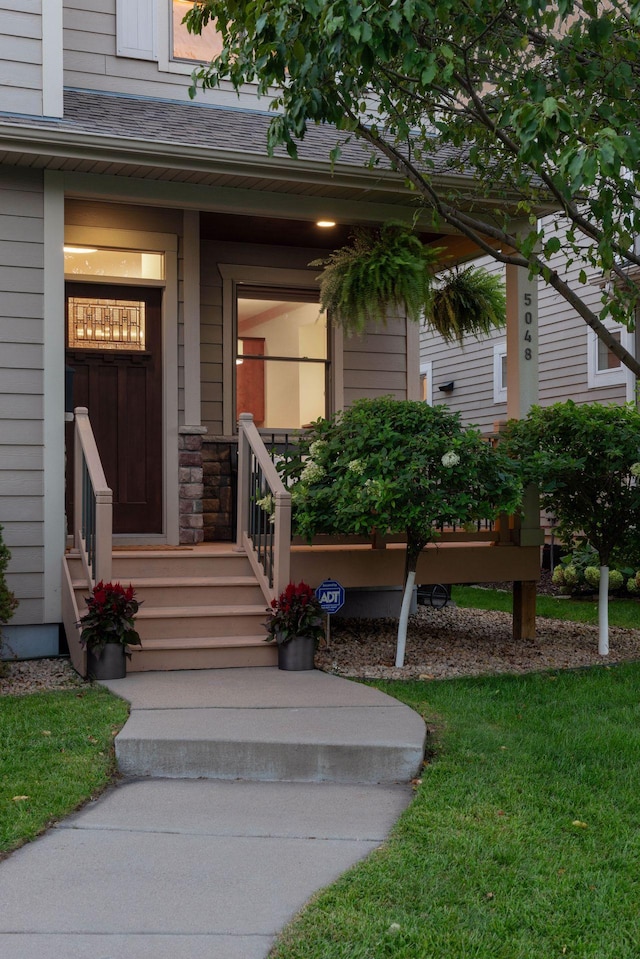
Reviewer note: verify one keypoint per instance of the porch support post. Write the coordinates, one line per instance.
(191, 317)
(522, 394)
(524, 610)
(522, 342)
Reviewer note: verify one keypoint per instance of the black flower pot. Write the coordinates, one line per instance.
(298, 653)
(111, 663)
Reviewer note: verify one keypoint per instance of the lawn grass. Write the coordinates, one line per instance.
(56, 751)
(523, 840)
(622, 612)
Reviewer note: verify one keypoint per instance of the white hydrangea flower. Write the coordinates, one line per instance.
(312, 472)
(450, 459)
(373, 487)
(356, 466)
(635, 470)
(316, 448)
(267, 503)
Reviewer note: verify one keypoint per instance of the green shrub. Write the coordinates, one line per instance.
(616, 580)
(8, 601)
(579, 572)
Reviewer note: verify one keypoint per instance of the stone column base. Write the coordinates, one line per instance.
(190, 482)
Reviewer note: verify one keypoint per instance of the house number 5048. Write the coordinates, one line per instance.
(528, 319)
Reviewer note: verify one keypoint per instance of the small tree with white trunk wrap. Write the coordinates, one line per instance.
(397, 467)
(585, 461)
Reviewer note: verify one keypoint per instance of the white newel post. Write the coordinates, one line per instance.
(244, 467)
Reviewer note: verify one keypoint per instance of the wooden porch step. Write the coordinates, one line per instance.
(201, 610)
(200, 621)
(217, 652)
(127, 566)
(176, 591)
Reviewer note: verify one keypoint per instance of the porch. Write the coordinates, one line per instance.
(205, 603)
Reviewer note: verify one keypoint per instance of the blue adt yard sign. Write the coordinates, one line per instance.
(330, 596)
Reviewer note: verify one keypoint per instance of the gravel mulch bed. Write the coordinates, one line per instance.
(37, 676)
(452, 642)
(441, 644)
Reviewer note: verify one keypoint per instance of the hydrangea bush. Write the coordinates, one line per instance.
(397, 467)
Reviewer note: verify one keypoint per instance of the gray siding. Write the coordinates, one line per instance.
(564, 344)
(21, 387)
(91, 62)
(21, 56)
(375, 364)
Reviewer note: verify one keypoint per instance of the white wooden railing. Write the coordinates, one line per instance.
(92, 503)
(264, 511)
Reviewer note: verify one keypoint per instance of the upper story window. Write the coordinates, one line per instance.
(153, 30)
(191, 46)
(426, 382)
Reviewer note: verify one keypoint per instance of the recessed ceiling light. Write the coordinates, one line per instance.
(80, 249)
(326, 224)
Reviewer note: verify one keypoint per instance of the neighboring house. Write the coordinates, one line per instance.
(573, 364)
(149, 245)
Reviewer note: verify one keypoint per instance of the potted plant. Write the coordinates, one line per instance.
(296, 624)
(108, 630)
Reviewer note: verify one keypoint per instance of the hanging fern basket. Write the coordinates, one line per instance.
(388, 271)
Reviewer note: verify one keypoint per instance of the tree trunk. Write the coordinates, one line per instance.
(413, 552)
(404, 618)
(603, 612)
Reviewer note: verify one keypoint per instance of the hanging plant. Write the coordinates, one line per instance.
(388, 269)
(374, 273)
(469, 302)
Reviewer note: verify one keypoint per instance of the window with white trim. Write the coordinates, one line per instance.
(153, 30)
(604, 368)
(426, 382)
(500, 373)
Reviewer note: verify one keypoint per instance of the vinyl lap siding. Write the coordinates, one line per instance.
(471, 369)
(21, 388)
(21, 57)
(375, 364)
(211, 344)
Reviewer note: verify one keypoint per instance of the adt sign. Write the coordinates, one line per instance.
(330, 596)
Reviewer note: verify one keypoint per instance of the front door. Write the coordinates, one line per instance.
(114, 346)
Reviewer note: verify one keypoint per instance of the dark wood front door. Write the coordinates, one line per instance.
(121, 386)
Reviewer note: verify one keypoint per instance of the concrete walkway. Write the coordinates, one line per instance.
(203, 865)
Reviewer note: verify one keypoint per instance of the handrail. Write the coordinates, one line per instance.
(264, 511)
(93, 503)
